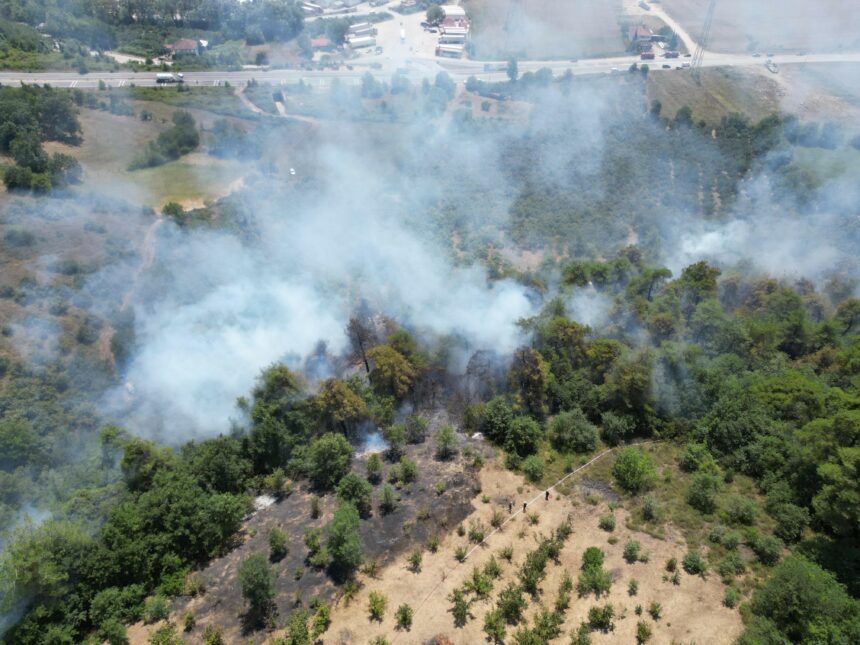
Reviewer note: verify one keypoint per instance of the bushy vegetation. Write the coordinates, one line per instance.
(180, 139)
(30, 115)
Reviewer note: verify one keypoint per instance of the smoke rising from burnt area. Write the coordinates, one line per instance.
(382, 214)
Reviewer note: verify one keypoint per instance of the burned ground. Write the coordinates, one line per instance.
(420, 513)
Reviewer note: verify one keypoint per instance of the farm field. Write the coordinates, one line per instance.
(546, 29)
(722, 91)
(762, 25)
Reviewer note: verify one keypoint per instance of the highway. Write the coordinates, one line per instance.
(417, 69)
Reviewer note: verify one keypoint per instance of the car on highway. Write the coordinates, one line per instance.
(687, 55)
(425, 24)
(433, 30)
(667, 67)
(756, 55)
(378, 50)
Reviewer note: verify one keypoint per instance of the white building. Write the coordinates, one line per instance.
(361, 42)
(453, 11)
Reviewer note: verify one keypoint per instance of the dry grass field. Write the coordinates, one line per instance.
(546, 28)
(722, 91)
(765, 25)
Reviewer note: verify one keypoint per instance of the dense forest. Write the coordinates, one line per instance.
(28, 117)
(749, 375)
(755, 376)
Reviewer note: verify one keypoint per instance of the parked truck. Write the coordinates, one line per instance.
(169, 78)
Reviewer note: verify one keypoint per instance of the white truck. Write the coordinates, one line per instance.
(169, 78)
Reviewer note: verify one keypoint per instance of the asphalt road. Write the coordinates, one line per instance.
(417, 68)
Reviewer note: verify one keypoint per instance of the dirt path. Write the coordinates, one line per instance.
(248, 103)
(147, 257)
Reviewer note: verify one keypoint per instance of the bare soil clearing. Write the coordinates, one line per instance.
(693, 611)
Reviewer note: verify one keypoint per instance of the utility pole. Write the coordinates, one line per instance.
(702, 45)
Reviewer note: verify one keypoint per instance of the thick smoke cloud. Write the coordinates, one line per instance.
(218, 310)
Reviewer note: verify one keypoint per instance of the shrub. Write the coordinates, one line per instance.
(633, 587)
(731, 566)
(615, 428)
(403, 617)
(188, 621)
(511, 604)
(497, 519)
(702, 493)
(387, 500)
(315, 507)
(155, 608)
(446, 443)
(594, 580)
(592, 557)
(695, 455)
(408, 470)
(433, 543)
(742, 510)
(601, 618)
(494, 626)
(415, 559)
(376, 604)
(731, 540)
(694, 563)
(732, 598)
(477, 530)
(460, 608)
(507, 553)
(607, 522)
(643, 632)
(768, 549)
(374, 468)
(650, 508)
(633, 470)
(313, 540)
(460, 554)
(533, 467)
(258, 584)
(791, 520)
(671, 564)
(492, 569)
(416, 428)
(479, 583)
(572, 432)
(114, 632)
(631, 551)
(524, 435)
(655, 610)
(322, 619)
(277, 544)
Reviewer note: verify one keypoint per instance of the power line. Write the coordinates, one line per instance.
(703, 40)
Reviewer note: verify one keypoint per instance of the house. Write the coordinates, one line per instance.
(453, 35)
(640, 37)
(322, 43)
(183, 47)
(453, 11)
